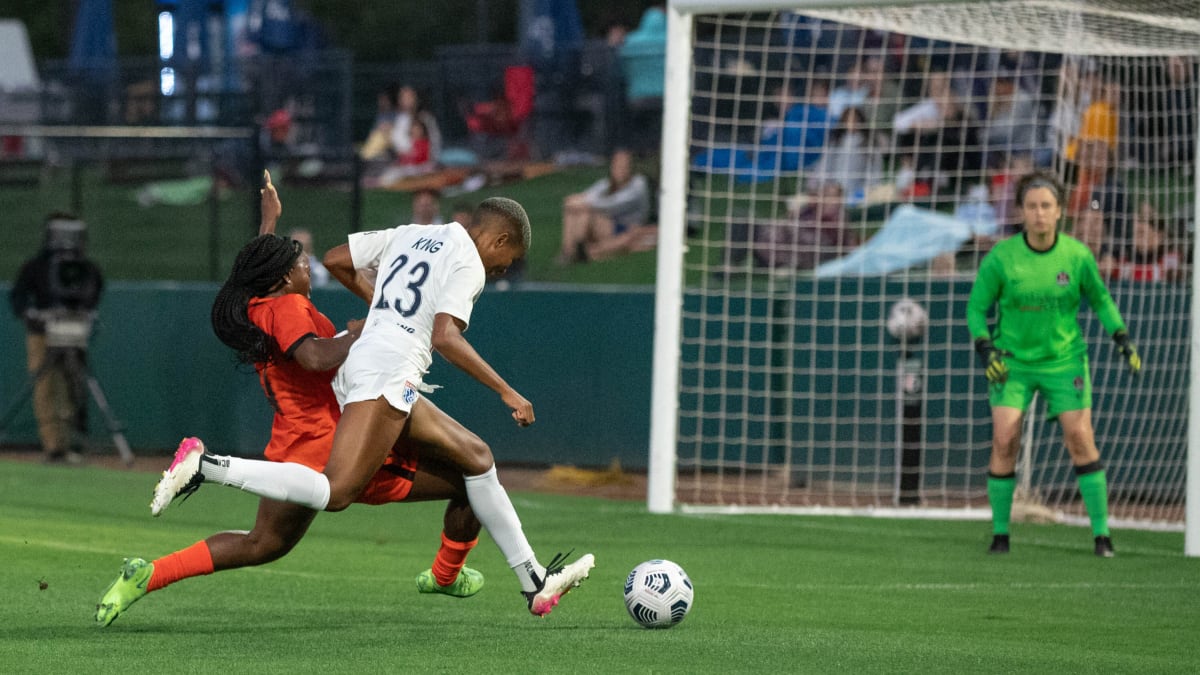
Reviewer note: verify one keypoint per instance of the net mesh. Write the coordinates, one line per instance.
(843, 160)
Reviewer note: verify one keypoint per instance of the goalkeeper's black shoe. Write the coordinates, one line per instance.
(1104, 547)
(1000, 544)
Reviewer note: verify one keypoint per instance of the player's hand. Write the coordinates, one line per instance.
(270, 205)
(993, 360)
(1128, 351)
(522, 409)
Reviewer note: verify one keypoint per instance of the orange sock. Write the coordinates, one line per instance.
(450, 559)
(193, 561)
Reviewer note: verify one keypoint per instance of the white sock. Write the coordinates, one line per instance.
(492, 507)
(282, 481)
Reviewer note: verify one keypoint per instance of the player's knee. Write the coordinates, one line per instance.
(477, 456)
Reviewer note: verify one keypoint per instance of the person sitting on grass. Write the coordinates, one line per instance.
(609, 208)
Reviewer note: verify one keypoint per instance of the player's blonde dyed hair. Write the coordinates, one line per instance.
(512, 212)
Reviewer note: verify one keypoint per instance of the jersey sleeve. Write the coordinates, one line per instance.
(1098, 297)
(367, 248)
(292, 320)
(983, 295)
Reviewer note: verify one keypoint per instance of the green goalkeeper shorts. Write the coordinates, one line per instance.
(1065, 386)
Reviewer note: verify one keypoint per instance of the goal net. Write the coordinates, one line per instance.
(824, 160)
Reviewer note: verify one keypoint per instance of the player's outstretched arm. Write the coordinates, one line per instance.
(448, 340)
(341, 267)
(269, 205)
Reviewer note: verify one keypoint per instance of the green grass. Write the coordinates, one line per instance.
(774, 594)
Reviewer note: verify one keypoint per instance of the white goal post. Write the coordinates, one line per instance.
(776, 386)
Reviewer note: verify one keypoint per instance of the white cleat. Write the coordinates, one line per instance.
(558, 582)
(182, 478)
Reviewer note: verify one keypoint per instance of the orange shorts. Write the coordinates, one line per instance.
(391, 483)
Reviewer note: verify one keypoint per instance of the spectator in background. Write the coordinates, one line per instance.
(317, 271)
(1167, 124)
(1151, 257)
(811, 236)
(1089, 229)
(849, 159)
(426, 207)
(939, 132)
(378, 145)
(794, 139)
(1098, 182)
(408, 109)
(59, 288)
(607, 209)
(1011, 124)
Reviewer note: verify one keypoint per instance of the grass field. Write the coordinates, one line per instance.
(774, 594)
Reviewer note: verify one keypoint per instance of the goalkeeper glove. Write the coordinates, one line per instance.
(997, 372)
(1128, 351)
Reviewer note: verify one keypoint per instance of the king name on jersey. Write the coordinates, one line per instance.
(427, 244)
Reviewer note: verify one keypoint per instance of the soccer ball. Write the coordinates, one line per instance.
(907, 320)
(658, 594)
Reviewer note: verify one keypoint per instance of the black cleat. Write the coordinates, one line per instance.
(1000, 544)
(1104, 547)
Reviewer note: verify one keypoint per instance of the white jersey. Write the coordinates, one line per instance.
(420, 271)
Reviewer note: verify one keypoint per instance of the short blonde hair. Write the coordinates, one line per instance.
(513, 214)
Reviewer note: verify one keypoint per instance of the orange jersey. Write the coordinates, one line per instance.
(306, 410)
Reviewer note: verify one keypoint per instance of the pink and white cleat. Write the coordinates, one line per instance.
(182, 478)
(559, 581)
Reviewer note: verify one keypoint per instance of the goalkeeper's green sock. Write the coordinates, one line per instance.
(1000, 491)
(1093, 486)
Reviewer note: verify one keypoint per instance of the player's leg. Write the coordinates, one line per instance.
(365, 433)
(277, 529)
(437, 480)
(1009, 402)
(441, 437)
(1071, 402)
(1001, 479)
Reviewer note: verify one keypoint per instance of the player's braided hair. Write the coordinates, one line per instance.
(258, 270)
(512, 212)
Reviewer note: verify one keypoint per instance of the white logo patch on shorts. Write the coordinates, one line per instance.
(410, 393)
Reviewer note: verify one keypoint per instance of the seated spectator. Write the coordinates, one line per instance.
(1089, 229)
(378, 145)
(849, 159)
(1098, 182)
(1151, 258)
(408, 109)
(1011, 124)
(320, 275)
(809, 237)
(940, 132)
(607, 209)
(793, 139)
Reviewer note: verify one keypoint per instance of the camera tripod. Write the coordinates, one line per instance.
(70, 360)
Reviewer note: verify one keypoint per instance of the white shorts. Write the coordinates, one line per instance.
(366, 383)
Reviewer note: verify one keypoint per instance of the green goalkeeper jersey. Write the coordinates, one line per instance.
(1037, 294)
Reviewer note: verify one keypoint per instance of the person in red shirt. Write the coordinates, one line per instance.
(263, 313)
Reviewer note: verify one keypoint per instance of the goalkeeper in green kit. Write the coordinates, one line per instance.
(1035, 280)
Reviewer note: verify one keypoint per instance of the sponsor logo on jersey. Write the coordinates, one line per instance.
(1063, 279)
(410, 393)
(1078, 383)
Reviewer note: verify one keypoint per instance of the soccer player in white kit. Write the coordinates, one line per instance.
(422, 282)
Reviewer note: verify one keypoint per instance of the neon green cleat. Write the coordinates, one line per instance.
(468, 583)
(129, 587)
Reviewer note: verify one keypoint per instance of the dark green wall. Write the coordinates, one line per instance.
(582, 358)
